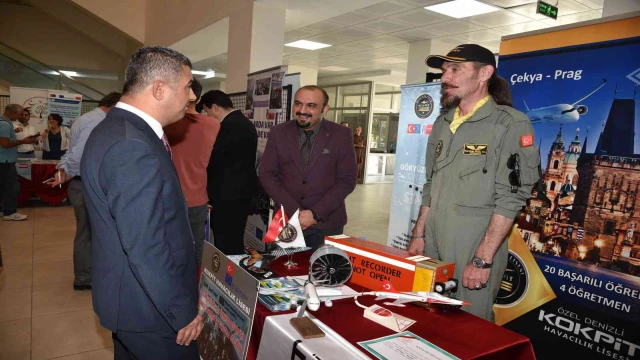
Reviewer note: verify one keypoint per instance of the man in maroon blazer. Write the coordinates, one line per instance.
(310, 164)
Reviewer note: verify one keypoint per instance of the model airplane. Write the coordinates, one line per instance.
(561, 113)
(313, 300)
(419, 296)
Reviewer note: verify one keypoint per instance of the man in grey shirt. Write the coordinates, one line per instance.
(69, 171)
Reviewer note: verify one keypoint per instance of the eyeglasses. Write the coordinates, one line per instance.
(514, 164)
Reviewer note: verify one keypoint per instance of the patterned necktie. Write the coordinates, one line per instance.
(166, 145)
(305, 150)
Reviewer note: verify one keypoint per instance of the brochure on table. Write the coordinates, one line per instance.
(405, 346)
(228, 297)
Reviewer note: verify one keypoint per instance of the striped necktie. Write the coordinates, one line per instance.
(166, 145)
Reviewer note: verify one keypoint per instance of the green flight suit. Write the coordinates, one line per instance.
(467, 183)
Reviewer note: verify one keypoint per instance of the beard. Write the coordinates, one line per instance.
(449, 101)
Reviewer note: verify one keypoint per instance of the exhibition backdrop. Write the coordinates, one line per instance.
(42, 102)
(572, 284)
(419, 108)
(264, 107)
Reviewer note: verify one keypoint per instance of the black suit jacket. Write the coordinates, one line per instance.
(144, 274)
(232, 166)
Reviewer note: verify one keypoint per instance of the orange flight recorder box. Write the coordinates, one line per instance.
(373, 263)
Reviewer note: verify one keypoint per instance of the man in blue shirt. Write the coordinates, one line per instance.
(69, 171)
(9, 186)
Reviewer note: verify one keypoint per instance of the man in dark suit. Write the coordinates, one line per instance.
(310, 164)
(232, 179)
(144, 274)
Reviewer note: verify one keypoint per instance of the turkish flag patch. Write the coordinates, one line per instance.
(526, 140)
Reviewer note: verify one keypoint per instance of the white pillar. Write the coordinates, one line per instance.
(418, 52)
(616, 7)
(308, 76)
(256, 41)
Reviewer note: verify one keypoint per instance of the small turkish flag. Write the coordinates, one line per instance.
(526, 140)
(230, 269)
(278, 223)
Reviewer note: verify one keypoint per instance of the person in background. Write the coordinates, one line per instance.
(232, 179)
(358, 144)
(345, 124)
(145, 287)
(69, 171)
(55, 139)
(309, 164)
(192, 140)
(23, 131)
(9, 186)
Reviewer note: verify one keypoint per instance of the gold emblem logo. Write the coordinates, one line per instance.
(475, 149)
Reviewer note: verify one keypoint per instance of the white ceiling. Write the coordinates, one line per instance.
(377, 37)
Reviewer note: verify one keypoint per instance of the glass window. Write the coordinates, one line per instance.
(332, 95)
(352, 101)
(396, 102)
(382, 101)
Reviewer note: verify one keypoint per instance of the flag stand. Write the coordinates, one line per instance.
(290, 262)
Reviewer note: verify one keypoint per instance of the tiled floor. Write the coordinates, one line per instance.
(42, 317)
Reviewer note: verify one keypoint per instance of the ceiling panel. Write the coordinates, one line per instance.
(384, 26)
(353, 33)
(480, 36)
(417, 34)
(391, 60)
(453, 27)
(420, 17)
(353, 46)
(299, 34)
(528, 11)
(387, 8)
(353, 18)
(574, 18)
(384, 40)
(328, 39)
(498, 18)
(522, 27)
(509, 3)
(393, 50)
(288, 50)
(324, 26)
(594, 4)
(421, 3)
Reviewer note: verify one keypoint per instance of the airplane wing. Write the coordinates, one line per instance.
(604, 81)
(403, 301)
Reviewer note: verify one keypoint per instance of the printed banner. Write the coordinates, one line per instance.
(265, 107)
(582, 292)
(67, 105)
(36, 101)
(228, 297)
(419, 108)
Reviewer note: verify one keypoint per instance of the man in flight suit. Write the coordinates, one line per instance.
(481, 165)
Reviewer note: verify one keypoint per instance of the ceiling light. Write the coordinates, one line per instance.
(306, 44)
(462, 8)
(207, 74)
(333, 68)
(69, 73)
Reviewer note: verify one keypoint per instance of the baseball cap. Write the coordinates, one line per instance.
(463, 53)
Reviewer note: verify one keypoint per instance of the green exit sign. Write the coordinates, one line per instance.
(547, 9)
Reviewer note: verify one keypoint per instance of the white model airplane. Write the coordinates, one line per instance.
(313, 300)
(418, 296)
(560, 113)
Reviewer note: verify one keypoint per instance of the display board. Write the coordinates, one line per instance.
(227, 303)
(265, 105)
(36, 100)
(419, 108)
(65, 104)
(573, 282)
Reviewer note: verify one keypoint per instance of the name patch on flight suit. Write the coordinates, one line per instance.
(438, 148)
(475, 149)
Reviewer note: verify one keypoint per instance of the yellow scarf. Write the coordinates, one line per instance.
(458, 120)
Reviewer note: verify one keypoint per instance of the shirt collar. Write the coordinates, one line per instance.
(155, 125)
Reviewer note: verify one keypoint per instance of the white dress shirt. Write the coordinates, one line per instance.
(27, 131)
(155, 125)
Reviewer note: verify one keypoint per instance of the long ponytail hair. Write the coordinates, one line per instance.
(499, 90)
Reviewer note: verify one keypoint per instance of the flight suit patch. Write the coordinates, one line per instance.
(475, 149)
(438, 148)
(526, 140)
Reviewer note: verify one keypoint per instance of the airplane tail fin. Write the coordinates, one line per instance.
(525, 105)
(386, 286)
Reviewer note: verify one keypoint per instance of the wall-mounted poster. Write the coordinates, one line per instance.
(573, 281)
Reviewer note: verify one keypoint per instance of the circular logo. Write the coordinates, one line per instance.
(438, 148)
(215, 262)
(288, 234)
(515, 282)
(382, 312)
(423, 106)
